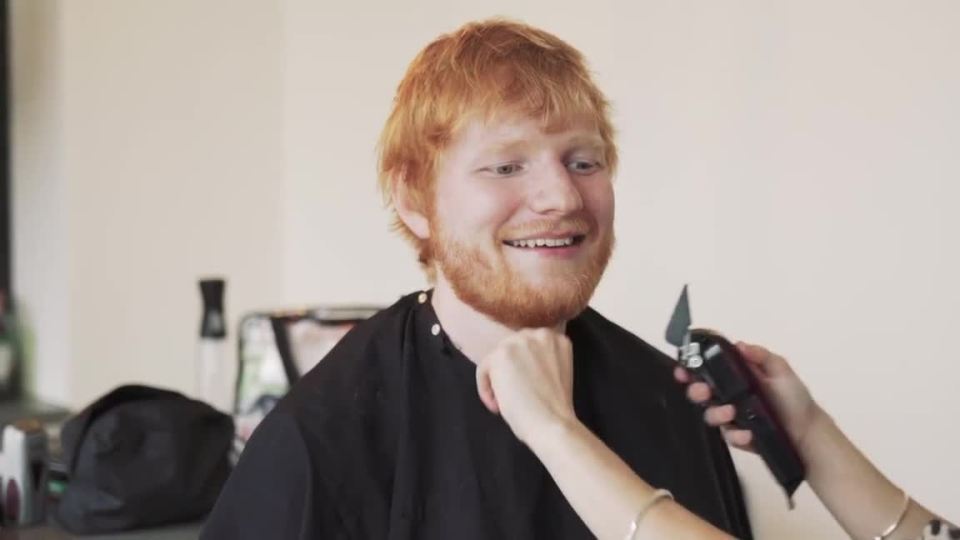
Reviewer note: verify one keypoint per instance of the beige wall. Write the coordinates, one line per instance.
(147, 152)
(39, 193)
(795, 162)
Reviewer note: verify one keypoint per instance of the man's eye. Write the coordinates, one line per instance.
(506, 169)
(583, 166)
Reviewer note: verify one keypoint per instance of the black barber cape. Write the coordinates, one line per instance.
(387, 439)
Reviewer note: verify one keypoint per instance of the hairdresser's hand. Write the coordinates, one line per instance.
(528, 379)
(786, 392)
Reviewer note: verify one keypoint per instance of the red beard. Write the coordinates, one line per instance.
(492, 287)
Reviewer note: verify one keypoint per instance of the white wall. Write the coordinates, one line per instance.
(147, 153)
(792, 161)
(816, 147)
(39, 194)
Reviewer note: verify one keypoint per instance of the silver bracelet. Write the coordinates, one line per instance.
(657, 496)
(893, 526)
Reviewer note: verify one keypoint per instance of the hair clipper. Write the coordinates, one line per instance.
(712, 358)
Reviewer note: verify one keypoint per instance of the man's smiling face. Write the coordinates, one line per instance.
(522, 220)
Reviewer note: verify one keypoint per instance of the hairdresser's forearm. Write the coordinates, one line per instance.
(605, 492)
(858, 495)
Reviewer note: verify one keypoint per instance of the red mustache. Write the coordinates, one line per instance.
(549, 229)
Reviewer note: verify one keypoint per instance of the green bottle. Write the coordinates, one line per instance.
(9, 351)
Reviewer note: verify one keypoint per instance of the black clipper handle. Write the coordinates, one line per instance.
(732, 381)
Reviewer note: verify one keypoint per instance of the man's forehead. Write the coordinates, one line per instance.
(509, 128)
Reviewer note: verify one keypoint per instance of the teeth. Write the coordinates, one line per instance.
(541, 242)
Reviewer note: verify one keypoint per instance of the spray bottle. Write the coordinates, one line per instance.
(214, 382)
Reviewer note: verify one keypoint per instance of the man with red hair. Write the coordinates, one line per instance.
(497, 161)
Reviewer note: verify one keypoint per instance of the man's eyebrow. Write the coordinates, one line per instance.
(498, 149)
(590, 142)
(505, 146)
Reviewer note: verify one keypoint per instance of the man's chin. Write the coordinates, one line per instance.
(548, 301)
(541, 314)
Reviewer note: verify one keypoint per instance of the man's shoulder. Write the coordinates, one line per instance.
(358, 378)
(375, 343)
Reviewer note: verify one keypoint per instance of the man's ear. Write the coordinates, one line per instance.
(410, 215)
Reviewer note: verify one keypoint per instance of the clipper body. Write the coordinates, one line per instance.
(712, 358)
(718, 362)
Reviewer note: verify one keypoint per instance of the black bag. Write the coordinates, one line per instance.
(140, 457)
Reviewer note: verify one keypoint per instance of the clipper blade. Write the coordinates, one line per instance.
(680, 321)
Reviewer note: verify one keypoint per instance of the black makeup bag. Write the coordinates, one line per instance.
(140, 457)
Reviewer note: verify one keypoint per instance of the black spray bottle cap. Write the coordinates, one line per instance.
(213, 324)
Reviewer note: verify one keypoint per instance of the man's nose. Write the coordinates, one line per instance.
(555, 191)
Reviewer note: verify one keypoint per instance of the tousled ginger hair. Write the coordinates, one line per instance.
(481, 69)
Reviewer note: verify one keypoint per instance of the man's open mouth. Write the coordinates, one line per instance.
(561, 242)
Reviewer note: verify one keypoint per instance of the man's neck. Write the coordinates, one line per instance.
(471, 331)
